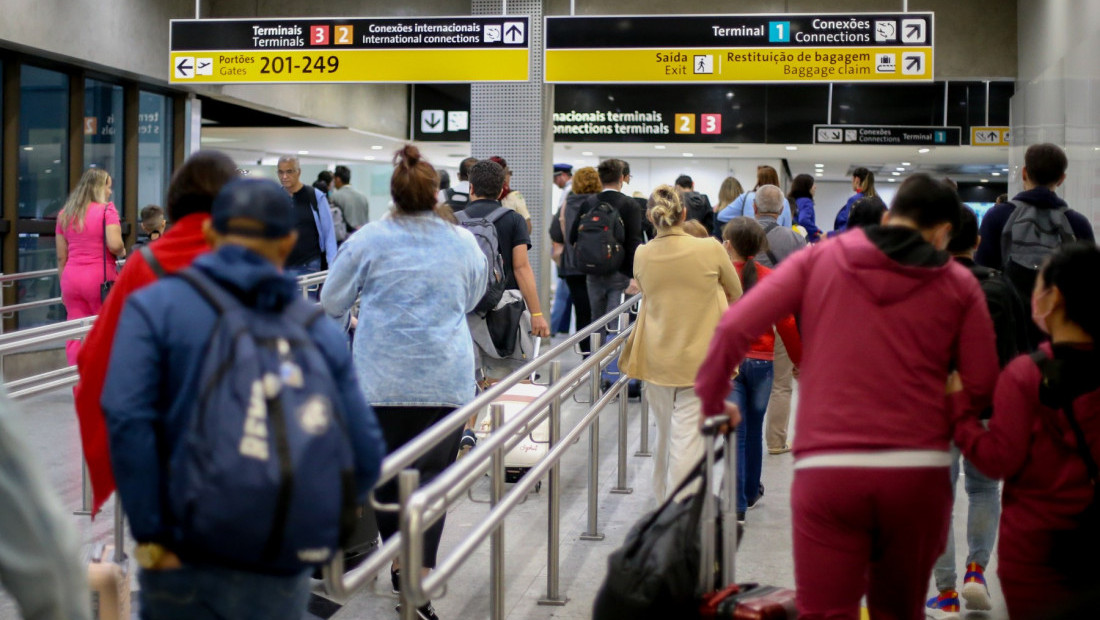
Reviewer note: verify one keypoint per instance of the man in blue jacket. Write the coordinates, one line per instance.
(153, 379)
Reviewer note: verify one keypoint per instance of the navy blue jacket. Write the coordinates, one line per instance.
(154, 374)
(993, 224)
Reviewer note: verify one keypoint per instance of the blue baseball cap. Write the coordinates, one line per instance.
(261, 201)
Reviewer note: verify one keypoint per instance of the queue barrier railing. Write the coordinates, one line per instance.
(419, 508)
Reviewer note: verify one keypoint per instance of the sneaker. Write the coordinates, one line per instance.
(426, 612)
(469, 439)
(740, 519)
(785, 449)
(944, 607)
(974, 590)
(759, 496)
(395, 580)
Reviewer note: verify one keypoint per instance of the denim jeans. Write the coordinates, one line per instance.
(561, 311)
(982, 519)
(306, 269)
(213, 593)
(751, 390)
(604, 295)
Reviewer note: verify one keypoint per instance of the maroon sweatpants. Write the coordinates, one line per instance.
(873, 531)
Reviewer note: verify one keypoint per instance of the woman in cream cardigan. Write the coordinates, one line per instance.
(687, 284)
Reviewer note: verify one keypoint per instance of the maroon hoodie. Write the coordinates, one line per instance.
(885, 316)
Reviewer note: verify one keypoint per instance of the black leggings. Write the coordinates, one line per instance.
(399, 426)
(578, 288)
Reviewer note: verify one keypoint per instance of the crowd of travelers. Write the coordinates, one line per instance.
(925, 343)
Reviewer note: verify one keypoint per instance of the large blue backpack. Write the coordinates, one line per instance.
(264, 477)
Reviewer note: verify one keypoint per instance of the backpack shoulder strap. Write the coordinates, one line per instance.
(214, 295)
(1049, 382)
(151, 260)
(497, 213)
(303, 312)
(313, 200)
(770, 226)
(462, 216)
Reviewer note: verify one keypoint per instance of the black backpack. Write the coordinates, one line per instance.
(600, 237)
(1007, 311)
(456, 200)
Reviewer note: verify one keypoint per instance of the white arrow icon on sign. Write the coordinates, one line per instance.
(431, 121)
(513, 32)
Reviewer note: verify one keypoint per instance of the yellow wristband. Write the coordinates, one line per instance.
(536, 314)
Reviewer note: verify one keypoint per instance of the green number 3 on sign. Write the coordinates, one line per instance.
(779, 32)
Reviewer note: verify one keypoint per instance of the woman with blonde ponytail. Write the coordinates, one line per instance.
(88, 238)
(685, 284)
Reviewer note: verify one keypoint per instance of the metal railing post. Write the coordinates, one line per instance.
(407, 483)
(553, 517)
(496, 543)
(592, 532)
(620, 483)
(643, 447)
(86, 490)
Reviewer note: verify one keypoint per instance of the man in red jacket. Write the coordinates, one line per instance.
(885, 315)
(190, 195)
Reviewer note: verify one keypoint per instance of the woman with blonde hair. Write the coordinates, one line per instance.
(685, 283)
(729, 191)
(88, 238)
(744, 205)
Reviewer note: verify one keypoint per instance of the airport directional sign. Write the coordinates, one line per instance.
(789, 47)
(341, 50)
(892, 135)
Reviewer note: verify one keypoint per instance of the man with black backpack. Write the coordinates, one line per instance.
(605, 235)
(243, 446)
(458, 196)
(1018, 235)
(697, 205)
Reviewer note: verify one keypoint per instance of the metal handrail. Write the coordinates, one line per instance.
(7, 278)
(454, 481)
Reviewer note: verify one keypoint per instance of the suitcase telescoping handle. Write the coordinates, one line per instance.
(713, 428)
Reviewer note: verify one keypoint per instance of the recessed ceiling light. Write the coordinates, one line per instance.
(819, 165)
(900, 169)
(659, 147)
(688, 154)
(57, 161)
(897, 174)
(1004, 169)
(820, 174)
(792, 148)
(376, 147)
(923, 150)
(892, 180)
(587, 153)
(996, 174)
(28, 148)
(905, 163)
(48, 170)
(985, 180)
(303, 152)
(369, 158)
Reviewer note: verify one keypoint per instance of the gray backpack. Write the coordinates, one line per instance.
(1029, 236)
(485, 231)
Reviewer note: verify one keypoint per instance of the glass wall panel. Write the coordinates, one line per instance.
(43, 182)
(103, 140)
(154, 148)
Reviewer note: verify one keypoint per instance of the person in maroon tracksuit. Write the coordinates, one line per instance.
(1049, 534)
(885, 314)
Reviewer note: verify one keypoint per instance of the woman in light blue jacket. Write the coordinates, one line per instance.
(417, 275)
(743, 205)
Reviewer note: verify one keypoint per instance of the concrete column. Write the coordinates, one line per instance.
(514, 120)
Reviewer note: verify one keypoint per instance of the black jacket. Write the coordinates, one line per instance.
(631, 214)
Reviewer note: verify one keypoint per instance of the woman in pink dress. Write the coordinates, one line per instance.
(89, 237)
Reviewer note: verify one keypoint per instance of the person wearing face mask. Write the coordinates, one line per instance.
(870, 498)
(1044, 441)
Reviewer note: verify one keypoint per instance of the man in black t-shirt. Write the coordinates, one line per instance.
(316, 246)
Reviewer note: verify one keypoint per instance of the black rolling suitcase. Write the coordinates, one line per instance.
(364, 541)
(724, 599)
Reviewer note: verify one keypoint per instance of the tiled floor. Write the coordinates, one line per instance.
(765, 554)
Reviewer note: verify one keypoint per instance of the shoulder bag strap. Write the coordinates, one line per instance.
(220, 300)
(1044, 363)
(151, 260)
(105, 250)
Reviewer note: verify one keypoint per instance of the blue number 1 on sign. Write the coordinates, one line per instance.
(779, 32)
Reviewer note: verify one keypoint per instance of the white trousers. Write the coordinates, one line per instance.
(679, 441)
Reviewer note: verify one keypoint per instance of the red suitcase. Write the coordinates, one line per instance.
(730, 600)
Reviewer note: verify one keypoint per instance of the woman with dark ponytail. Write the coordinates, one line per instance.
(1044, 441)
(417, 276)
(744, 239)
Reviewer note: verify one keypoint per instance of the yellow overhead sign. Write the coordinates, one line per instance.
(990, 136)
(304, 50)
(741, 65)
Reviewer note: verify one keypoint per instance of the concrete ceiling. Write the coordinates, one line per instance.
(321, 145)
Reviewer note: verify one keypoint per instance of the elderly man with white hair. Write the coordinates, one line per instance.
(782, 242)
(316, 246)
